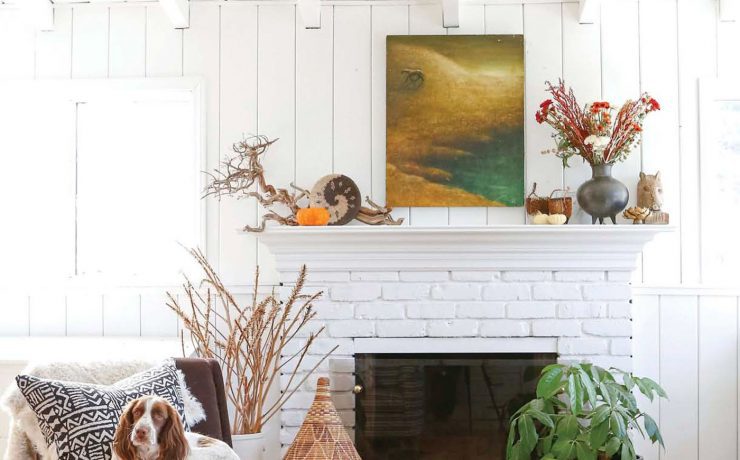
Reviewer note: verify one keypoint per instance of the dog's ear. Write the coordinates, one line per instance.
(172, 442)
(123, 448)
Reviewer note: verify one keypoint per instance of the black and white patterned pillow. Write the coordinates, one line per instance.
(80, 419)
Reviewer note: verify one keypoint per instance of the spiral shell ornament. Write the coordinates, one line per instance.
(340, 195)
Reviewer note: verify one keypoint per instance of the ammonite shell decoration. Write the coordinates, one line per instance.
(340, 195)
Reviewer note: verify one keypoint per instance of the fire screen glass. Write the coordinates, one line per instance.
(440, 406)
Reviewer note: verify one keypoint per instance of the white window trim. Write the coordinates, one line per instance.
(711, 91)
(86, 90)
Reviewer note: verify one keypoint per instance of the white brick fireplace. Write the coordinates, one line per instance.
(517, 289)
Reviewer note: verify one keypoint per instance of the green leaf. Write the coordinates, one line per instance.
(658, 389)
(605, 394)
(628, 453)
(510, 439)
(568, 427)
(589, 386)
(612, 446)
(600, 414)
(575, 392)
(527, 434)
(542, 417)
(652, 430)
(550, 383)
(598, 435)
(628, 381)
(583, 452)
(644, 388)
(617, 425)
(565, 449)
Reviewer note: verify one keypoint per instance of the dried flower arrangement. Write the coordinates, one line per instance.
(248, 341)
(243, 176)
(593, 132)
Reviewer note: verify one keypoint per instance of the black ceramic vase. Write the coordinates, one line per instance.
(602, 195)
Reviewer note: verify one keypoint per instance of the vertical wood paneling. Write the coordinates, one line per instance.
(238, 119)
(427, 20)
(84, 314)
(620, 58)
(679, 374)
(157, 319)
(15, 314)
(718, 377)
(505, 20)
(582, 72)
(47, 315)
(697, 47)
(314, 99)
(728, 34)
(17, 60)
(54, 48)
(276, 95)
(163, 45)
(386, 20)
(352, 95)
(201, 57)
(544, 62)
(646, 348)
(472, 22)
(90, 41)
(660, 147)
(121, 314)
(127, 47)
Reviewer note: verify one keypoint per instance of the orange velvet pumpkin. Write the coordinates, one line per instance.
(312, 216)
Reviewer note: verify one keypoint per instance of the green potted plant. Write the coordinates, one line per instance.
(582, 412)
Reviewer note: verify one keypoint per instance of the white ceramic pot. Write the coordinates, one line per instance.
(249, 446)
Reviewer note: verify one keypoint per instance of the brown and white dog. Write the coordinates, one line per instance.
(150, 429)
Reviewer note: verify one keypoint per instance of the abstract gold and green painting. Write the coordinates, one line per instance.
(455, 120)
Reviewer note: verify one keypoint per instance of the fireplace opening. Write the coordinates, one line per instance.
(441, 406)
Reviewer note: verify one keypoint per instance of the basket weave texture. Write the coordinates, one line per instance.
(322, 435)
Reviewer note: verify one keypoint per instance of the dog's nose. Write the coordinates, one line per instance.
(142, 432)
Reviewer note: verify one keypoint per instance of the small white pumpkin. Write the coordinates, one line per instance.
(556, 219)
(540, 219)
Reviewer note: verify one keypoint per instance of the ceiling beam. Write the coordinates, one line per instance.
(178, 11)
(451, 13)
(310, 11)
(39, 13)
(589, 11)
(729, 10)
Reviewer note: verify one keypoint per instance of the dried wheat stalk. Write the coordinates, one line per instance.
(248, 341)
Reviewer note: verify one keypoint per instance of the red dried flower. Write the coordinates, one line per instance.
(636, 127)
(654, 105)
(538, 116)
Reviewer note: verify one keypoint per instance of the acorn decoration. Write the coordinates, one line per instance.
(636, 214)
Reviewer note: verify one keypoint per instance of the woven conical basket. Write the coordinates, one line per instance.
(322, 435)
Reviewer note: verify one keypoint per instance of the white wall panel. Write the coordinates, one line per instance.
(85, 314)
(163, 45)
(121, 314)
(127, 42)
(646, 347)
(157, 319)
(352, 95)
(90, 41)
(544, 62)
(238, 120)
(386, 20)
(54, 48)
(660, 146)
(47, 315)
(17, 60)
(15, 314)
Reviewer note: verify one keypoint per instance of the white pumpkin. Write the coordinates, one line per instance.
(540, 219)
(556, 219)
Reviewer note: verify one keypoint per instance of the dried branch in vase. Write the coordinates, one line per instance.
(249, 341)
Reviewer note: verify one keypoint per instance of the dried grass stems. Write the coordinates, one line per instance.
(248, 341)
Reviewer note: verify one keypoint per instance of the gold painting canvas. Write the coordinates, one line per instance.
(455, 120)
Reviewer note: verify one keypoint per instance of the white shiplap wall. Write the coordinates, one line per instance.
(322, 92)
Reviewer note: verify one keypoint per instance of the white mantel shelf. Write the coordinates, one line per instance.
(509, 247)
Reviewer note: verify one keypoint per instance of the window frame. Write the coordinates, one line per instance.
(711, 91)
(96, 90)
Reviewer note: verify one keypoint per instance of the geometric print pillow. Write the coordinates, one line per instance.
(80, 419)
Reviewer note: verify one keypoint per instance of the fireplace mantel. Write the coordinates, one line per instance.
(510, 247)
